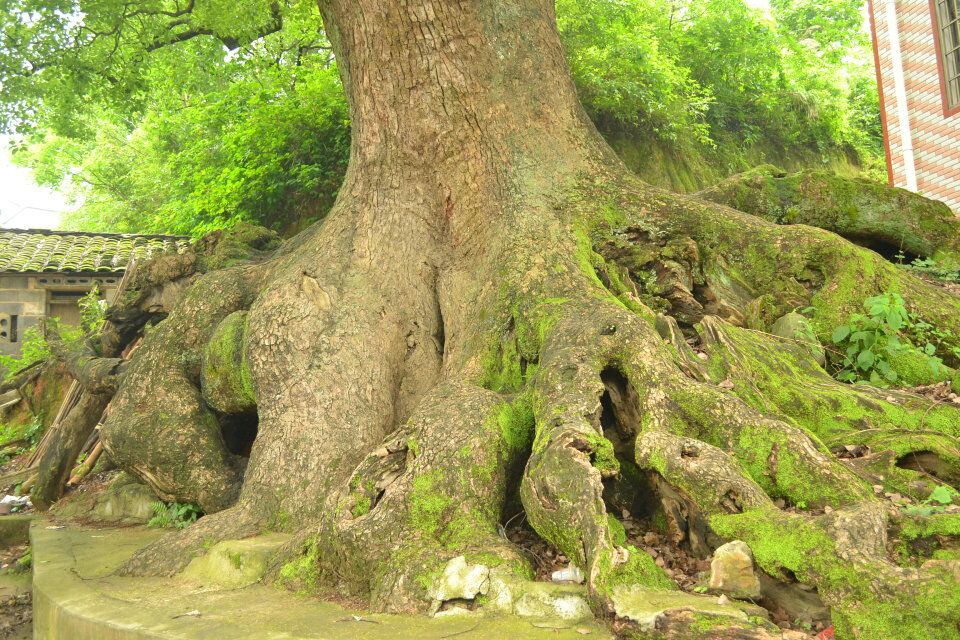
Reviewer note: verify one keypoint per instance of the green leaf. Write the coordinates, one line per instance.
(894, 320)
(866, 359)
(941, 494)
(840, 333)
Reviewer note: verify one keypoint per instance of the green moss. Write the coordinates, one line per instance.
(640, 569)
(783, 542)
(939, 524)
(704, 623)
(302, 574)
(915, 368)
(428, 505)
(413, 447)
(784, 381)
(604, 458)
(362, 506)
(516, 423)
(617, 533)
(225, 374)
(793, 479)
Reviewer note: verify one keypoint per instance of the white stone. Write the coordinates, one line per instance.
(461, 581)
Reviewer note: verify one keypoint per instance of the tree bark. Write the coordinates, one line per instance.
(480, 311)
(57, 461)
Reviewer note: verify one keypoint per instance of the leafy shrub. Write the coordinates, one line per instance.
(872, 340)
(932, 268)
(34, 347)
(173, 514)
(92, 311)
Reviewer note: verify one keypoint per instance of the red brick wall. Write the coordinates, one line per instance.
(934, 131)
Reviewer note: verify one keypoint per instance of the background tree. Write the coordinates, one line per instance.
(686, 94)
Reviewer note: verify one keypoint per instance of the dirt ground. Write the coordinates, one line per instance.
(16, 611)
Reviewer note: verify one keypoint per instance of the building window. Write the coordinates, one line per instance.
(948, 41)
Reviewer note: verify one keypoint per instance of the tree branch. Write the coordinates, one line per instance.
(95, 374)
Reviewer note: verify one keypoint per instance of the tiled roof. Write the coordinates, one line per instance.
(45, 251)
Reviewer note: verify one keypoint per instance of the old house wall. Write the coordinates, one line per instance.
(25, 299)
(931, 130)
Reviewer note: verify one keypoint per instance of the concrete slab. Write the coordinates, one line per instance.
(77, 597)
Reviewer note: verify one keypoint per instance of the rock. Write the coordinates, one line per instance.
(795, 600)
(461, 581)
(647, 606)
(129, 502)
(794, 326)
(544, 601)
(544, 605)
(235, 564)
(731, 571)
(125, 501)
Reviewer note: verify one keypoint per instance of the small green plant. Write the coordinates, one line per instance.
(92, 311)
(870, 340)
(936, 502)
(34, 347)
(932, 268)
(173, 514)
(934, 339)
(32, 433)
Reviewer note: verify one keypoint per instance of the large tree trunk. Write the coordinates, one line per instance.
(489, 274)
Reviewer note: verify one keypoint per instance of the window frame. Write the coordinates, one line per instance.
(948, 109)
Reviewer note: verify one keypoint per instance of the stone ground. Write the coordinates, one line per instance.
(77, 596)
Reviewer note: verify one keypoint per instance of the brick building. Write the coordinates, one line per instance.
(45, 273)
(916, 46)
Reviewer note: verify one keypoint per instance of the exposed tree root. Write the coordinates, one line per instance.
(177, 447)
(875, 215)
(434, 490)
(585, 384)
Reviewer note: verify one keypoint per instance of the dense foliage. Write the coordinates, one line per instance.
(176, 116)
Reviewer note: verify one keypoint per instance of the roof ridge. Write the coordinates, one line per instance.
(93, 234)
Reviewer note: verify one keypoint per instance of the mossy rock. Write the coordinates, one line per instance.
(796, 327)
(14, 530)
(225, 374)
(235, 564)
(646, 606)
(241, 242)
(125, 501)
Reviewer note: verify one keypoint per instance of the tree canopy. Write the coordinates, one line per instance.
(192, 115)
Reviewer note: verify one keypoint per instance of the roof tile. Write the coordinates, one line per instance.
(45, 251)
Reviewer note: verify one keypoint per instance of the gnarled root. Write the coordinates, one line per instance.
(391, 435)
(866, 212)
(433, 490)
(159, 426)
